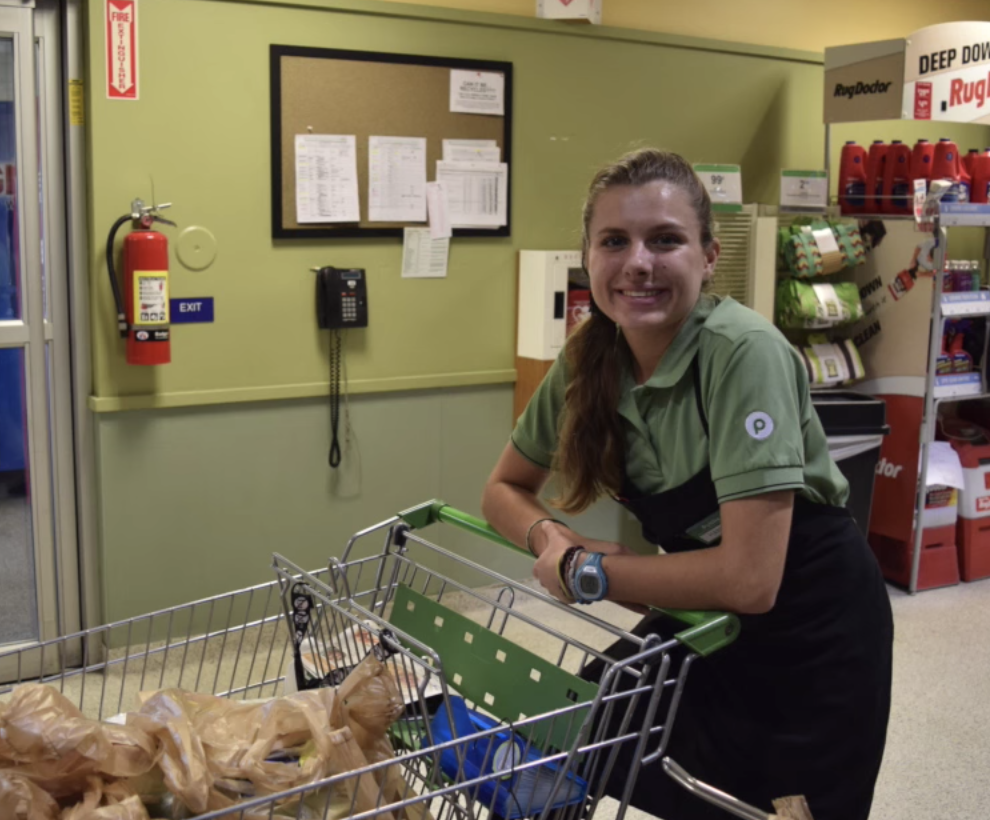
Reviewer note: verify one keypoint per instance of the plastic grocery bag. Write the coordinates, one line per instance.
(217, 752)
(21, 799)
(45, 738)
(107, 801)
(369, 702)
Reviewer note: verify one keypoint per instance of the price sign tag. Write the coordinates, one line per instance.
(723, 182)
(825, 240)
(807, 190)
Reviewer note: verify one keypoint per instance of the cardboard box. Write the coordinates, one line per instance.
(580, 11)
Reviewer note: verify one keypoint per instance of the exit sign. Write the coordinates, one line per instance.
(191, 311)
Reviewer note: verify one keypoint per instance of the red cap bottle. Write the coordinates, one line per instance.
(852, 178)
(897, 179)
(980, 189)
(948, 165)
(875, 163)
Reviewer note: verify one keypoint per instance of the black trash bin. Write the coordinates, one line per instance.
(855, 425)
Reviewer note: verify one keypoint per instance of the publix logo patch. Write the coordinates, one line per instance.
(759, 425)
(857, 89)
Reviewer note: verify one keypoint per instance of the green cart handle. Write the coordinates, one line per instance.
(706, 632)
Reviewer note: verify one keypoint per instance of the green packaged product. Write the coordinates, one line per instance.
(810, 248)
(801, 305)
(830, 364)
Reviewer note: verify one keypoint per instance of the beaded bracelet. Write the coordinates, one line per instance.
(529, 532)
(571, 576)
(567, 559)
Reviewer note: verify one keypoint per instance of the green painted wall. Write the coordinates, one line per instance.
(195, 500)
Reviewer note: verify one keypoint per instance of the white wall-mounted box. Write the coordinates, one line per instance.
(543, 302)
(582, 11)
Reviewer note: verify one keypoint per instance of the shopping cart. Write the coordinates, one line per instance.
(496, 721)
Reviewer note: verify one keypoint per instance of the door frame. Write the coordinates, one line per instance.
(28, 332)
(48, 50)
(73, 24)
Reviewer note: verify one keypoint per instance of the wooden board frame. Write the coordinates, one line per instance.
(371, 65)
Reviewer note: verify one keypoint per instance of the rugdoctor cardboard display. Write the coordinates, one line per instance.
(937, 73)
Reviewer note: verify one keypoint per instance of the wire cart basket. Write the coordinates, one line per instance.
(496, 721)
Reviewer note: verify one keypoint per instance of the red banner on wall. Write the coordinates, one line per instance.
(122, 79)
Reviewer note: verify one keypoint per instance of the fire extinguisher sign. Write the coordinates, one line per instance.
(122, 80)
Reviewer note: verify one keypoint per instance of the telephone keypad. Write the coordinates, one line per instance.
(349, 307)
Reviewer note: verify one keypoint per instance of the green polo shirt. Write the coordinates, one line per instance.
(764, 433)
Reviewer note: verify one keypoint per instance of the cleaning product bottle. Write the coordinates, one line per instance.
(967, 160)
(981, 178)
(949, 278)
(943, 364)
(962, 362)
(852, 178)
(948, 166)
(875, 164)
(965, 184)
(921, 162)
(903, 282)
(967, 275)
(897, 179)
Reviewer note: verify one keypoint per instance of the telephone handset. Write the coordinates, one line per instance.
(341, 298)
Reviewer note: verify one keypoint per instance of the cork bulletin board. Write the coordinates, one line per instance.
(364, 93)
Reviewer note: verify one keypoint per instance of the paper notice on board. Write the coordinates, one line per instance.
(396, 179)
(477, 92)
(476, 193)
(438, 211)
(423, 257)
(326, 178)
(471, 151)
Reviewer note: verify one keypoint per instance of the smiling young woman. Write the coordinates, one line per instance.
(694, 413)
(647, 261)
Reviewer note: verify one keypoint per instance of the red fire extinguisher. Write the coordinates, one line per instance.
(143, 310)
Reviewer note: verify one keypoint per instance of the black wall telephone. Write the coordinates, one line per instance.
(341, 302)
(341, 298)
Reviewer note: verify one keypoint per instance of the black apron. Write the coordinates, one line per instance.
(798, 704)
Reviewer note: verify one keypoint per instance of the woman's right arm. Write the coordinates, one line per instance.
(510, 501)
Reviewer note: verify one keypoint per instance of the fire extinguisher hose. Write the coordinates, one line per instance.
(114, 284)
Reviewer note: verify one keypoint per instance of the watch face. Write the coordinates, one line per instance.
(588, 584)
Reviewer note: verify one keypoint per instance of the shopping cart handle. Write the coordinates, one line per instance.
(707, 631)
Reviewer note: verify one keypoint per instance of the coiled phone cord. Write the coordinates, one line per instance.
(335, 364)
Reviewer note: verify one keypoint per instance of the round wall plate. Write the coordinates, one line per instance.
(196, 248)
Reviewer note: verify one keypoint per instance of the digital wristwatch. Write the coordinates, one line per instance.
(590, 583)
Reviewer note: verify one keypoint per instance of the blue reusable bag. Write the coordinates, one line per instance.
(511, 795)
